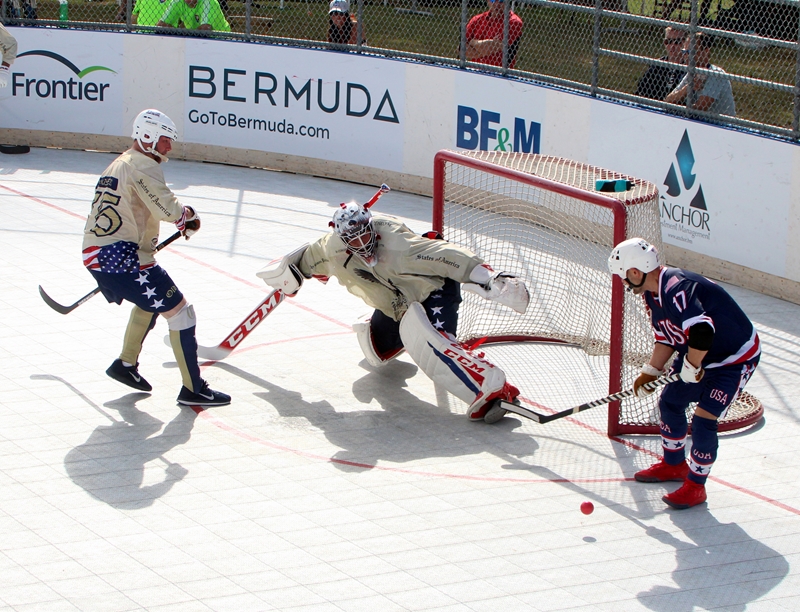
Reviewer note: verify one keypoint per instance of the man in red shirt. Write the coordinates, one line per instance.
(485, 36)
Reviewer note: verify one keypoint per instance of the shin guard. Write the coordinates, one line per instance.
(704, 448)
(139, 324)
(184, 346)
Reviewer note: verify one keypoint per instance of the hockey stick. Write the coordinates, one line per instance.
(251, 321)
(384, 188)
(68, 309)
(546, 418)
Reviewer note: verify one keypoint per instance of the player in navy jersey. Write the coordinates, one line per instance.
(717, 352)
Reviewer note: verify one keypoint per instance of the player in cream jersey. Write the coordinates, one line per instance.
(413, 282)
(131, 200)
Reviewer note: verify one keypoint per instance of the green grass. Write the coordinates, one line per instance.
(556, 43)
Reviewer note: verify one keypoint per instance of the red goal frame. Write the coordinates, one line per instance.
(618, 210)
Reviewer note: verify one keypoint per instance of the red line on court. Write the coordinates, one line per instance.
(217, 422)
(48, 204)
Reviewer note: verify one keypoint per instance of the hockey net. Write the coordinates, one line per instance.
(542, 219)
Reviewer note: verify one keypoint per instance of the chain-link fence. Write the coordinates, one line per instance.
(726, 61)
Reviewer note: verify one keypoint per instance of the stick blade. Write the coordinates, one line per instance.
(209, 353)
(522, 411)
(213, 353)
(52, 303)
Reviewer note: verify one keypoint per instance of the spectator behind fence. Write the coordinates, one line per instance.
(658, 81)
(25, 9)
(342, 26)
(485, 36)
(195, 15)
(148, 12)
(712, 93)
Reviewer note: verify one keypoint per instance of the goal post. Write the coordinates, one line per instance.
(542, 219)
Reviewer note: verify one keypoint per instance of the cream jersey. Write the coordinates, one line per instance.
(8, 45)
(130, 201)
(410, 267)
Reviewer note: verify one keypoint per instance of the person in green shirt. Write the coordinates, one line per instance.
(148, 12)
(195, 15)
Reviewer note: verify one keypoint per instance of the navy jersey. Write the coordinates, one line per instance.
(686, 299)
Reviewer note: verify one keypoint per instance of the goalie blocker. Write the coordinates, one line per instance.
(283, 273)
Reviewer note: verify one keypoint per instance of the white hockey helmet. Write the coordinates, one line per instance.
(149, 126)
(633, 253)
(353, 224)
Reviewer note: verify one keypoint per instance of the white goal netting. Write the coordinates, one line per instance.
(542, 219)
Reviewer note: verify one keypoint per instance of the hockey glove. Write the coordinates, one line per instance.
(191, 223)
(284, 273)
(649, 374)
(689, 373)
(500, 287)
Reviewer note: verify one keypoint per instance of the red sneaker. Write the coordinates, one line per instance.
(690, 494)
(663, 472)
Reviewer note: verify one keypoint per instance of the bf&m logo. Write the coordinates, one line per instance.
(80, 89)
(474, 130)
(684, 213)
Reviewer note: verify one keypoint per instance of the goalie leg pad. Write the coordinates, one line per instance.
(465, 374)
(379, 338)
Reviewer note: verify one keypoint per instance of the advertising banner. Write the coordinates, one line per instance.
(65, 81)
(493, 114)
(723, 193)
(324, 105)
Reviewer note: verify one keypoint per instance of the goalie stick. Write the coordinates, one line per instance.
(546, 418)
(383, 189)
(270, 303)
(68, 309)
(251, 321)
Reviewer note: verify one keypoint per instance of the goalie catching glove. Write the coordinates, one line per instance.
(284, 273)
(499, 287)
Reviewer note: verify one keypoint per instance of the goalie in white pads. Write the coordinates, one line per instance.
(414, 284)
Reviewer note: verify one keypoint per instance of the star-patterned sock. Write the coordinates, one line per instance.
(705, 443)
(673, 436)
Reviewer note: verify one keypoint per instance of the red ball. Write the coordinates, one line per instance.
(587, 507)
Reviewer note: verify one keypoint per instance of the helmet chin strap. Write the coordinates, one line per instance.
(152, 151)
(630, 286)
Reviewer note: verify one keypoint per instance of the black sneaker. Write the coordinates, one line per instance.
(128, 375)
(205, 397)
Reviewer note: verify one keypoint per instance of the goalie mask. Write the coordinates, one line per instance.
(633, 253)
(353, 224)
(149, 126)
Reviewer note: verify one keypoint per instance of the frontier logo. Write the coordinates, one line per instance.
(60, 89)
(684, 213)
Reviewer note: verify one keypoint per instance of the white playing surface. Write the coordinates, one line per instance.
(326, 485)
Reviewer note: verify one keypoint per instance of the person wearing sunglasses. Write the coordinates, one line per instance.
(659, 80)
(711, 92)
